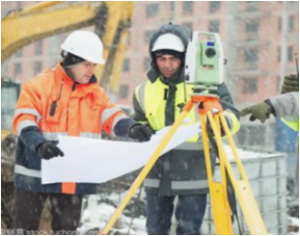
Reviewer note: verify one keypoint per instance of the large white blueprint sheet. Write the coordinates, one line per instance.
(97, 161)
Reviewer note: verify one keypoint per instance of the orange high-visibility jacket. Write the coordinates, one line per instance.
(52, 104)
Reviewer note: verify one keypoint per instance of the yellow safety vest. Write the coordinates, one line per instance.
(149, 96)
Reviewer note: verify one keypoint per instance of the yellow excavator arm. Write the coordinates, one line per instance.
(112, 20)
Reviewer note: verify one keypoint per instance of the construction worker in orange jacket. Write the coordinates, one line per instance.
(64, 100)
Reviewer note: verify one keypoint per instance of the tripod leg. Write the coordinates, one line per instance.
(243, 189)
(218, 196)
(140, 178)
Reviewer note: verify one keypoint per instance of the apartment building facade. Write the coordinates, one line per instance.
(259, 40)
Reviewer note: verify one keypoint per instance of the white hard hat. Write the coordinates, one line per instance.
(85, 44)
(168, 41)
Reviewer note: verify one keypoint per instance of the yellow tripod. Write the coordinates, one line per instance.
(209, 110)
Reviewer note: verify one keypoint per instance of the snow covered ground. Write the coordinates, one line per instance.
(97, 214)
(100, 208)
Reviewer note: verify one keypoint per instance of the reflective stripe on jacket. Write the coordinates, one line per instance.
(182, 170)
(81, 110)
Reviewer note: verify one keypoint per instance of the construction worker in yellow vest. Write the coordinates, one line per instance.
(180, 172)
(285, 106)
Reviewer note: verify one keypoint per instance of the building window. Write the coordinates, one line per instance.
(251, 55)
(126, 65)
(251, 58)
(250, 86)
(152, 10)
(214, 6)
(188, 6)
(290, 54)
(147, 63)
(252, 26)
(148, 35)
(37, 67)
(19, 4)
(38, 48)
(188, 25)
(279, 24)
(19, 53)
(291, 23)
(213, 26)
(124, 91)
(278, 54)
(18, 68)
(172, 6)
(252, 5)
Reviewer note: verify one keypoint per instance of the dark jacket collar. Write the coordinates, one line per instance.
(68, 74)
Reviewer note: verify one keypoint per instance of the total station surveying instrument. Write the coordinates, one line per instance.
(204, 68)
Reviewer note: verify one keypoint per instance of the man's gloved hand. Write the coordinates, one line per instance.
(259, 111)
(140, 132)
(48, 150)
(290, 84)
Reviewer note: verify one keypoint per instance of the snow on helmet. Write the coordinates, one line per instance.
(168, 41)
(85, 44)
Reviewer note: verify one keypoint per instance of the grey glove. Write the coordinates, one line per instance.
(48, 150)
(261, 111)
(290, 84)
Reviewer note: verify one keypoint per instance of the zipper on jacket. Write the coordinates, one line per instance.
(166, 94)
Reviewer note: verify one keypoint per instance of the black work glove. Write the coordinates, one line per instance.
(140, 132)
(290, 84)
(261, 111)
(48, 150)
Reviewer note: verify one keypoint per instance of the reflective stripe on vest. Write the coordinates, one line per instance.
(152, 183)
(108, 112)
(53, 136)
(67, 188)
(294, 125)
(23, 124)
(178, 185)
(186, 185)
(293, 121)
(151, 99)
(28, 172)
